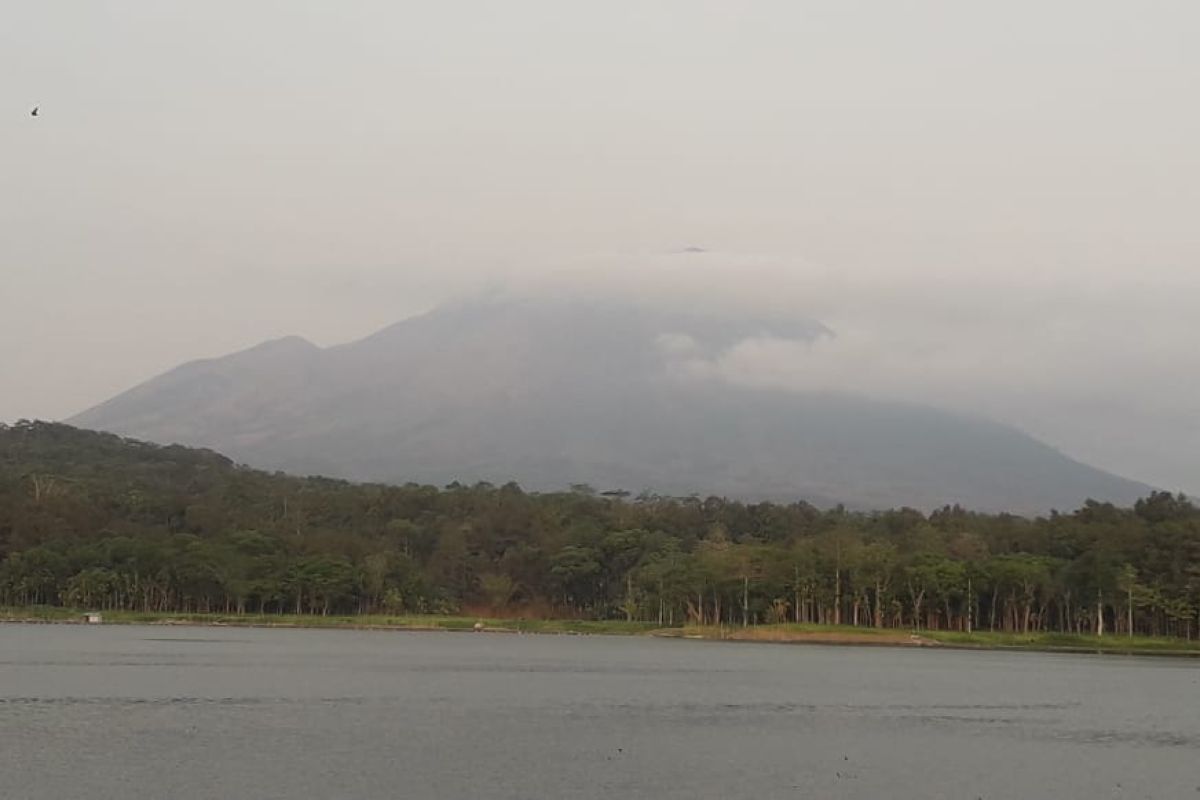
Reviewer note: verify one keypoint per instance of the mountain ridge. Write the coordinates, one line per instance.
(555, 393)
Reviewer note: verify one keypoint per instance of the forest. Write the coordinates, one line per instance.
(92, 520)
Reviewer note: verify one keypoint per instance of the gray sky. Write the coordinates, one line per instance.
(994, 205)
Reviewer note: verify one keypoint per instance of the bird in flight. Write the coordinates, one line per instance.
(34, 113)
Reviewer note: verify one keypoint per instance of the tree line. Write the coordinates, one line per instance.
(92, 520)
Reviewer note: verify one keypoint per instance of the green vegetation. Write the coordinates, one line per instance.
(1067, 642)
(982, 640)
(416, 622)
(94, 521)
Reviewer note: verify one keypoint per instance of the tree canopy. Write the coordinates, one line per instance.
(94, 520)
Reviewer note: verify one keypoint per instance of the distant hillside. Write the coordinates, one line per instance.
(555, 393)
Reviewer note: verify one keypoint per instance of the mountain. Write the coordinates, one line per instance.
(550, 393)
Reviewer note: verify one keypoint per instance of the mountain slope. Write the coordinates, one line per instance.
(552, 393)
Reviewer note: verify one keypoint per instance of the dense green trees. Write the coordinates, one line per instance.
(92, 520)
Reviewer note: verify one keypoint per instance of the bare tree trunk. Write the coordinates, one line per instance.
(628, 596)
(1130, 622)
(796, 587)
(837, 592)
(970, 605)
(745, 601)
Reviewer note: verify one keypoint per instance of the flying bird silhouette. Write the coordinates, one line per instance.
(34, 112)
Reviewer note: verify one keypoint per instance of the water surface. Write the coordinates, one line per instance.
(114, 712)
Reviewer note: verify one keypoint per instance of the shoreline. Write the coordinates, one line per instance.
(844, 636)
(366, 622)
(833, 636)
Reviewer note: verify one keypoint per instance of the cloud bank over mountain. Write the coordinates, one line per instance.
(551, 392)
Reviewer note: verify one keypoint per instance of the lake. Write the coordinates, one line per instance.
(119, 712)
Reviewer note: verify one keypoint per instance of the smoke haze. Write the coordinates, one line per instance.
(990, 208)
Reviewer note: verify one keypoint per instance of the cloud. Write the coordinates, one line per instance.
(1101, 364)
(675, 346)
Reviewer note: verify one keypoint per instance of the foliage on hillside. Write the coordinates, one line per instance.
(94, 520)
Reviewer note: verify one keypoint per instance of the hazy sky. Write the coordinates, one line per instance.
(996, 206)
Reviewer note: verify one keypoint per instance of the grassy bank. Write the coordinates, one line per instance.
(358, 621)
(787, 634)
(1066, 642)
(980, 640)
(808, 634)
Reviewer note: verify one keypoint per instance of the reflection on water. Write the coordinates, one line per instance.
(113, 712)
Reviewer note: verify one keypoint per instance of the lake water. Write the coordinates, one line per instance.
(115, 712)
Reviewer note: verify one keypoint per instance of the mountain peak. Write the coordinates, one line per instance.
(552, 392)
(284, 345)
